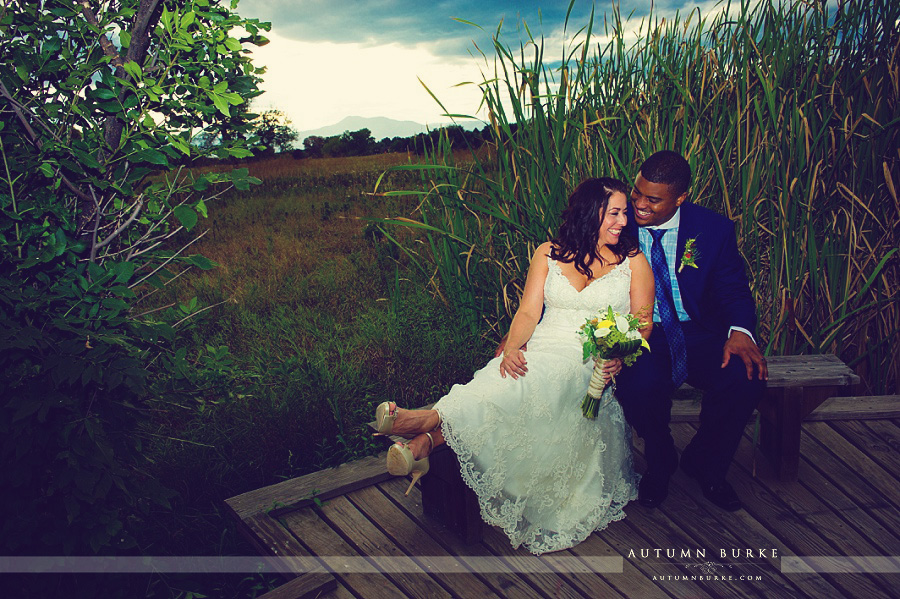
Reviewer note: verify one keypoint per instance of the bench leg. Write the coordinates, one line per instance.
(448, 499)
(780, 431)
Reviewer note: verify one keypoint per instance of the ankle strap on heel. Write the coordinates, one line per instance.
(431, 439)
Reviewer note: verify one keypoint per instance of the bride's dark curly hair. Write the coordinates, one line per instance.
(580, 230)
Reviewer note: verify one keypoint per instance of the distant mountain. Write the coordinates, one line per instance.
(380, 127)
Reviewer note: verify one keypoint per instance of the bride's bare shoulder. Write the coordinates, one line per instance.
(543, 250)
(638, 261)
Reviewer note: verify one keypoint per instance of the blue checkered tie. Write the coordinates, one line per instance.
(666, 304)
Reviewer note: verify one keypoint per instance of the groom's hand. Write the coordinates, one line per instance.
(741, 345)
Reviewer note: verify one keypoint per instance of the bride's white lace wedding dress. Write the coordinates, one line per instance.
(543, 472)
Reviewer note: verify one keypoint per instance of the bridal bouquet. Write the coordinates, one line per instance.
(612, 335)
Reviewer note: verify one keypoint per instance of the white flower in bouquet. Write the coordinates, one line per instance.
(602, 332)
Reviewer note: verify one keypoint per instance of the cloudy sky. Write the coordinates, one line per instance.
(329, 59)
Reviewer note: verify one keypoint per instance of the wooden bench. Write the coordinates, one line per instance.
(797, 386)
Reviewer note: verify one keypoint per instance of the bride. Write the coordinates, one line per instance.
(543, 472)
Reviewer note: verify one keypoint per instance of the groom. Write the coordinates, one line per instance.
(704, 322)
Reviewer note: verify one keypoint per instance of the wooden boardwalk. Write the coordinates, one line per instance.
(846, 502)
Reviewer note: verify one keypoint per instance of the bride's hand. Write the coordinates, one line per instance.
(513, 363)
(502, 345)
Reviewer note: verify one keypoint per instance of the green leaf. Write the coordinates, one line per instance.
(114, 303)
(219, 102)
(186, 216)
(233, 98)
(239, 152)
(201, 262)
(152, 156)
(125, 38)
(187, 19)
(233, 45)
(124, 271)
(104, 93)
(177, 142)
(133, 69)
(86, 159)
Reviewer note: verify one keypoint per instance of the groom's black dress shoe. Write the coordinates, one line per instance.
(721, 494)
(653, 490)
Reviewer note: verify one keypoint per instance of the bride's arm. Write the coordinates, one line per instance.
(527, 316)
(642, 292)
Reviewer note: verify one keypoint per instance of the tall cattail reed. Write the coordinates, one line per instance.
(789, 115)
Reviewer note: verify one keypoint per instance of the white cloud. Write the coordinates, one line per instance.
(317, 77)
(319, 83)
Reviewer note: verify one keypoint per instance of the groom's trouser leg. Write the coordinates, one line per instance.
(645, 391)
(728, 402)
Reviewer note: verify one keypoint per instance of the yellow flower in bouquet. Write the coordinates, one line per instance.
(615, 336)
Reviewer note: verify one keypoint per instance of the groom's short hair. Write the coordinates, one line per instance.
(670, 168)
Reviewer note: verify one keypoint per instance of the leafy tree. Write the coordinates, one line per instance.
(313, 146)
(357, 143)
(98, 101)
(273, 131)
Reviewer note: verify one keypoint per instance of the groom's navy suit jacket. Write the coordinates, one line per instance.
(716, 294)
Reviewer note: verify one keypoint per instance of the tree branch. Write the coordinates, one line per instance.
(108, 48)
(36, 141)
(137, 208)
(169, 259)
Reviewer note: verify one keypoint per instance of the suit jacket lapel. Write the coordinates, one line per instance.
(685, 232)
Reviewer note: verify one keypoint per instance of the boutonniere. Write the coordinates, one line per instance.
(690, 255)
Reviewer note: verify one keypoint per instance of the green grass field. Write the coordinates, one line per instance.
(317, 318)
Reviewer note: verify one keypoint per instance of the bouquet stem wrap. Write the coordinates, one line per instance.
(590, 407)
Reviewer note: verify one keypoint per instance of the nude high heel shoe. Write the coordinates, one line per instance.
(400, 462)
(385, 417)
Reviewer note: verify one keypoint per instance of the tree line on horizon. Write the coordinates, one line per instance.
(271, 133)
(361, 142)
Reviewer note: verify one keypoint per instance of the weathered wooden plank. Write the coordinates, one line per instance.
(800, 537)
(857, 408)
(415, 541)
(753, 533)
(809, 371)
(889, 433)
(301, 588)
(631, 582)
(298, 492)
(547, 581)
(274, 540)
(624, 539)
(860, 491)
(512, 586)
(876, 446)
(847, 530)
(686, 411)
(325, 542)
(857, 460)
(343, 516)
(843, 502)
